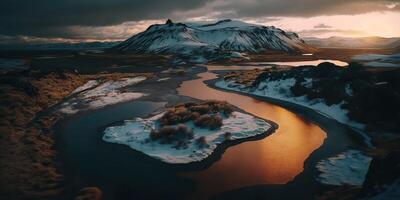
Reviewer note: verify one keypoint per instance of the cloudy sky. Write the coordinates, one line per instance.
(93, 20)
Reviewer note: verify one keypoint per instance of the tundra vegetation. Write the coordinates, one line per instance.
(173, 125)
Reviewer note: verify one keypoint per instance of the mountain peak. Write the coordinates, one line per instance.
(169, 21)
(209, 39)
(224, 20)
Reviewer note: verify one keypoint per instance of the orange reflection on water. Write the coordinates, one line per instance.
(276, 159)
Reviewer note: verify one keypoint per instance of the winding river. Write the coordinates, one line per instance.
(123, 173)
(276, 159)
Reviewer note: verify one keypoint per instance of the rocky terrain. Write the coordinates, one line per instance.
(353, 86)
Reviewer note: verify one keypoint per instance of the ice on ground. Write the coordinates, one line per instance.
(279, 89)
(135, 133)
(235, 54)
(101, 95)
(163, 79)
(112, 86)
(349, 167)
(86, 86)
(348, 90)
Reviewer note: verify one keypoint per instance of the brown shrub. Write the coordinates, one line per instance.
(210, 121)
(227, 135)
(182, 113)
(176, 115)
(172, 133)
(201, 108)
(194, 115)
(201, 141)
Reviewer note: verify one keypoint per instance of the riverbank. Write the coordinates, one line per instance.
(32, 166)
(29, 167)
(379, 155)
(187, 133)
(312, 87)
(304, 185)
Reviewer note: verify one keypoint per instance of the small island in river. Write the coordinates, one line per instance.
(187, 132)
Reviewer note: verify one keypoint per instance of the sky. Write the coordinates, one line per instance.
(40, 21)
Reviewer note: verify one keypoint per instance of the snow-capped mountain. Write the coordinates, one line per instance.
(224, 36)
(354, 43)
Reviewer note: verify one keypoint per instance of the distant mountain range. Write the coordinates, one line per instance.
(60, 46)
(354, 43)
(226, 36)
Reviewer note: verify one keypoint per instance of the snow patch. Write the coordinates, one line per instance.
(135, 134)
(86, 86)
(279, 89)
(163, 79)
(348, 90)
(349, 167)
(104, 94)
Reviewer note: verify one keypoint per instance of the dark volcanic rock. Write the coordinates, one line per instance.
(371, 97)
(382, 173)
(21, 84)
(90, 193)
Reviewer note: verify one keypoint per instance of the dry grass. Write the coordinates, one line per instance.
(27, 167)
(244, 77)
(209, 121)
(205, 115)
(182, 113)
(172, 133)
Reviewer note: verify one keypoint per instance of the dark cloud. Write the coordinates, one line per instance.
(307, 8)
(53, 18)
(322, 26)
(49, 17)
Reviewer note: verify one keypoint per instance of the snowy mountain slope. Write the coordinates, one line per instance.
(354, 43)
(223, 36)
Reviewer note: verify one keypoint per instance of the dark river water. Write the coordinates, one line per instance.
(123, 173)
